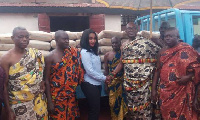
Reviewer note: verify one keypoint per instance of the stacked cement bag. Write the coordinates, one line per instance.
(38, 39)
(41, 41)
(74, 39)
(6, 43)
(105, 41)
(146, 34)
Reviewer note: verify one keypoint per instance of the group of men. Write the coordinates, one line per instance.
(164, 71)
(161, 76)
(24, 86)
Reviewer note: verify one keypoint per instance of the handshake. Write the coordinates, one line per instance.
(110, 77)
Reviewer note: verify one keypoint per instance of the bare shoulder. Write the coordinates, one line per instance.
(6, 60)
(107, 54)
(6, 57)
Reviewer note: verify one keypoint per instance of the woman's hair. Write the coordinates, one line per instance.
(84, 43)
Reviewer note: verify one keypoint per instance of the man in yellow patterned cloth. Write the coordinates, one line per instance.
(24, 87)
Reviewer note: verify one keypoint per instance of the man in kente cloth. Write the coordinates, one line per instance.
(117, 96)
(63, 73)
(24, 87)
(138, 59)
(178, 70)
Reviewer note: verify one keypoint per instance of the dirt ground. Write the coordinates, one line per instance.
(104, 113)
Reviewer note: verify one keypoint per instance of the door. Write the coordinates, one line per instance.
(43, 22)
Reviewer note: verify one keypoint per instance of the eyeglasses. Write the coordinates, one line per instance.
(132, 28)
(170, 36)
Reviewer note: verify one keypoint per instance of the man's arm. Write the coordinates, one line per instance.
(80, 69)
(196, 104)
(5, 65)
(48, 62)
(157, 41)
(155, 80)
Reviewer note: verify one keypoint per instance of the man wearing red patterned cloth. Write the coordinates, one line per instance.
(178, 70)
(63, 73)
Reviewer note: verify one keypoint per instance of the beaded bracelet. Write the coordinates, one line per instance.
(113, 74)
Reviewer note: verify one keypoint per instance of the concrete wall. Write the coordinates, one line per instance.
(113, 22)
(8, 21)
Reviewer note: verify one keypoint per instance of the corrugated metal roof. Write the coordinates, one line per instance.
(96, 8)
(58, 9)
(52, 5)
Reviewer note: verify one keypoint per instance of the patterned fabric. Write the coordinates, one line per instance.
(64, 78)
(176, 100)
(25, 98)
(138, 76)
(140, 61)
(117, 96)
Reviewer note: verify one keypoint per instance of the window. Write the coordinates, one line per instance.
(125, 19)
(196, 24)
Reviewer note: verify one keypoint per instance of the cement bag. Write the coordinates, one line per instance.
(109, 34)
(105, 42)
(53, 35)
(78, 43)
(6, 39)
(79, 34)
(104, 49)
(40, 45)
(72, 35)
(139, 34)
(44, 53)
(146, 34)
(102, 58)
(2, 53)
(71, 43)
(6, 47)
(40, 35)
(53, 44)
